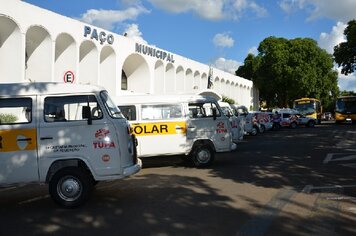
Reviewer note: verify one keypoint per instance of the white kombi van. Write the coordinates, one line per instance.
(192, 125)
(69, 136)
(237, 127)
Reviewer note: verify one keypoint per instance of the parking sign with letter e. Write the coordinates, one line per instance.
(68, 77)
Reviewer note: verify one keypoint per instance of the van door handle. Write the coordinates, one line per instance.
(179, 128)
(46, 138)
(191, 127)
(24, 139)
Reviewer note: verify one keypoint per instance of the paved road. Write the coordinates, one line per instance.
(286, 182)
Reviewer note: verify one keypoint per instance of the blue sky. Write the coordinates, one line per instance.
(216, 32)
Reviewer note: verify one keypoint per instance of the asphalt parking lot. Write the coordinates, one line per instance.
(286, 182)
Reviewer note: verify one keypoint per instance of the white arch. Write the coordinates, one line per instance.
(108, 71)
(137, 73)
(179, 79)
(227, 88)
(189, 81)
(196, 83)
(236, 94)
(231, 90)
(241, 94)
(222, 86)
(39, 54)
(88, 63)
(169, 80)
(66, 58)
(203, 81)
(159, 78)
(216, 84)
(11, 52)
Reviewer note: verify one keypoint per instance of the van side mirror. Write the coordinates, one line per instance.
(86, 114)
(214, 113)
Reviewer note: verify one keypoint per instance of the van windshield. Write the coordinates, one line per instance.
(110, 106)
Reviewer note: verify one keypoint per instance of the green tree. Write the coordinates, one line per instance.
(347, 93)
(228, 100)
(345, 52)
(285, 70)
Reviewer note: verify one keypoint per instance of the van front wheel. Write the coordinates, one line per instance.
(202, 156)
(70, 187)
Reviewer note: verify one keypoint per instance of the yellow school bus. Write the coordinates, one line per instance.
(310, 107)
(345, 109)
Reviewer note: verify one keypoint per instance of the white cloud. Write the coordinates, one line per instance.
(132, 31)
(212, 9)
(223, 40)
(226, 65)
(328, 41)
(341, 10)
(107, 19)
(253, 51)
(348, 82)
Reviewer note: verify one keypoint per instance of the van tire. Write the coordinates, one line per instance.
(293, 125)
(202, 156)
(78, 180)
(254, 131)
(262, 129)
(311, 123)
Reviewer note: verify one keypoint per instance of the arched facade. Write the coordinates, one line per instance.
(49, 46)
(38, 54)
(11, 51)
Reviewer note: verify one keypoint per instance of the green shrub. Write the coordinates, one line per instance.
(228, 100)
(8, 118)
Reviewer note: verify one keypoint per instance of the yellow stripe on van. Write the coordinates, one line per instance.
(17, 140)
(159, 128)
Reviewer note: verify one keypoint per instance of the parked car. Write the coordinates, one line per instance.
(307, 121)
(264, 120)
(289, 117)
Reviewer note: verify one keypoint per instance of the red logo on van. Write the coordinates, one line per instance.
(220, 128)
(103, 140)
(101, 133)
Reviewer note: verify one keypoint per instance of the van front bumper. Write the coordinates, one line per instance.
(233, 147)
(133, 169)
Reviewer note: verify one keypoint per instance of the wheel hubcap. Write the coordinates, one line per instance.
(69, 188)
(203, 156)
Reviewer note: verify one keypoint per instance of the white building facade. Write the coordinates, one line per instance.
(41, 46)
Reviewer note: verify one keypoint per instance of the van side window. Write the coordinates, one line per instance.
(69, 108)
(15, 111)
(129, 112)
(161, 112)
(198, 110)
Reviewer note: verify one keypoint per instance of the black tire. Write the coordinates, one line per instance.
(293, 125)
(262, 129)
(254, 131)
(311, 123)
(202, 156)
(71, 187)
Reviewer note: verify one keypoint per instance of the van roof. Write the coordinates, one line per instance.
(8, 89)
(171, 98)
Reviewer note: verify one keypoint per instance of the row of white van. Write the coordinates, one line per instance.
(70, 136)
